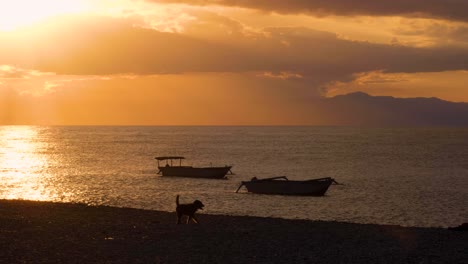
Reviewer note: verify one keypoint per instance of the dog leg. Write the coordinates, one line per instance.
(179, 217)
(194, 219)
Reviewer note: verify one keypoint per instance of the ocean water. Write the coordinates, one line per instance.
(402, 176)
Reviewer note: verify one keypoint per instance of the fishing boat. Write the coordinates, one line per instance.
(173, 167)
(282, 185)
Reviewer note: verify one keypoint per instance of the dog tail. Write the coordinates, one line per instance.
(177, 200)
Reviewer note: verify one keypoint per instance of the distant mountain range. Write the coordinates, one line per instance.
(362, 109)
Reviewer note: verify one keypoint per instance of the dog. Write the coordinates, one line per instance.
(188, 210)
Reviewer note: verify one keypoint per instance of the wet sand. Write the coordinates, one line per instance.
(43, 232)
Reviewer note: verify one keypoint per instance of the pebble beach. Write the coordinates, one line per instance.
(45, 232)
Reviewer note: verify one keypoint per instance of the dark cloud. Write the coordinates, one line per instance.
(93, 46)
(445, 9)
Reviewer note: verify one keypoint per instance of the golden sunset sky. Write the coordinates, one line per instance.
(221, 62)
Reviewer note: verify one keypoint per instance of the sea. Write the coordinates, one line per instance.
(396, 176)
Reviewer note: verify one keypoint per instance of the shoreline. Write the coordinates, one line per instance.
(40, 232)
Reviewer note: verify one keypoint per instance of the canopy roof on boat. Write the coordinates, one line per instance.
(169, 158)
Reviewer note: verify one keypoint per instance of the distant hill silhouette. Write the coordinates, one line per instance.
(362, 109)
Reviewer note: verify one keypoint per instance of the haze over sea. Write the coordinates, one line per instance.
(402, 176)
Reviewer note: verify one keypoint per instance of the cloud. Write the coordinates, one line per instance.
(12, 72)
(105, 46)
(281, 75)
(37, 83)
(449, 85)
(433, 32)
(445, 9)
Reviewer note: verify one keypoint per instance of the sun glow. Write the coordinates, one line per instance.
(17, 13)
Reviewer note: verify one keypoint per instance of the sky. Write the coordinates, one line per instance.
(221, 62)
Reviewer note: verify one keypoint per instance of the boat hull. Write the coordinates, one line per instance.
(304, 188)
(194, 172)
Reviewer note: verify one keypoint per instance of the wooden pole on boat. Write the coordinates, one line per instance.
(335, 182)
(242, 184)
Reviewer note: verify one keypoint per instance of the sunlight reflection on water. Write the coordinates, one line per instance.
(22, 165)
